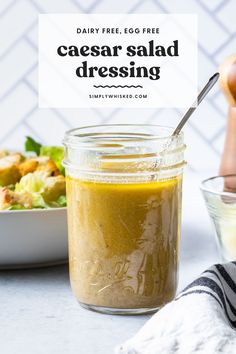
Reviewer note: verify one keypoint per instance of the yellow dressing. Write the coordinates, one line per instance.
(124, 241)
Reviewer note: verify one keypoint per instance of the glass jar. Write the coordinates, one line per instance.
(124, 186)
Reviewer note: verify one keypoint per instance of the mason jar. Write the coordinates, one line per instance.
(124, 186)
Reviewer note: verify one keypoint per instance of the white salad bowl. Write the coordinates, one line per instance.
(33, 238)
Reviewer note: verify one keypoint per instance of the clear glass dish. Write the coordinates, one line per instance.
(220, 196)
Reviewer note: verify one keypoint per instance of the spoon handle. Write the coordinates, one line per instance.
(200, 97)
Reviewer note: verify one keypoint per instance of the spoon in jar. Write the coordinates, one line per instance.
(200, 97)
(188, 114)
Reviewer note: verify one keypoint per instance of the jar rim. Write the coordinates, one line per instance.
(124, 149)
(93, 134)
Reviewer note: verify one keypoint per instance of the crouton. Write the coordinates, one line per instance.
(41, 163)
(28, 166)
(42, 160)
(9, 171)
(9, 198)
(4, 198)
(55, 187)
(15, 158)
(49, 167)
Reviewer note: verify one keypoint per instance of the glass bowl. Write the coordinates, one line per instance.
(220, 196)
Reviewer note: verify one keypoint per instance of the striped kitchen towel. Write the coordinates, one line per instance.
(201, 319)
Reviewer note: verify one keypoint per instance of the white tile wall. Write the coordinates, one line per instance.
(18, 74)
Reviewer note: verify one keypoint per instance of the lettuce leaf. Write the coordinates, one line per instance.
(17, 207)
(33, 183)
(32, 146)
(11, 187)
(56, 154)
(36, 183)
(61, 201)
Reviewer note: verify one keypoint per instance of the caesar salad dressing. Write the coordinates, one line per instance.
(124, 209)
(124, 242)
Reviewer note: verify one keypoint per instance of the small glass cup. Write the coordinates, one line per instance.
(124, 187)
(220, 195)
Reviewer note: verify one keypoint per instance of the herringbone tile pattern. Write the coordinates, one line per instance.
(20, 115)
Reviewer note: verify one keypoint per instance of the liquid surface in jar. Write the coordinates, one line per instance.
(124, 242)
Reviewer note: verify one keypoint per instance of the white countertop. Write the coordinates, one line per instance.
(39, 314)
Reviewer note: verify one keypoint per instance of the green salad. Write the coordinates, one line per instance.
(33, 179)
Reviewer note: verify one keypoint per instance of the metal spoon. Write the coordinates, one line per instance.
(188, 114)
(200, 97)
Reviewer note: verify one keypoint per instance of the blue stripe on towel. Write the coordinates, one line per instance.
(218, 292)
